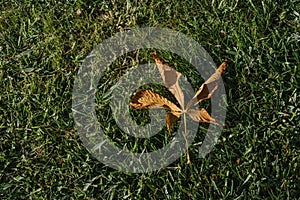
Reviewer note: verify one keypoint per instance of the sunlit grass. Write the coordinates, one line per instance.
(42, 46)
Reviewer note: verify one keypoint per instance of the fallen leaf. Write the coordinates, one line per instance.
(148, 99)
(208, 87)
(170, 77)
(171, 119)
(202, 116)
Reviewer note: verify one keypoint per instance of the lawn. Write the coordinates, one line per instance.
(43, 45)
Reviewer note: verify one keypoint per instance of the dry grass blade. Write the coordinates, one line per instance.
(170, 77)
(209, 86)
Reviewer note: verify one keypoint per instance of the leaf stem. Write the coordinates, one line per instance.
(186, 141)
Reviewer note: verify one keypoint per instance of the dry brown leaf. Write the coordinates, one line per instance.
(171, 119)
(149, 99)
(202, 116)
(209, 86)
(170, 77)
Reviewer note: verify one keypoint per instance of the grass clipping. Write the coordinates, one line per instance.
(148, 99)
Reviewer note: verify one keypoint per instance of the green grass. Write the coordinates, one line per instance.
(42, 46)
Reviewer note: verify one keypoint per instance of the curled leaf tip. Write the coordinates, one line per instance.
(223, 67)
(156, 58)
